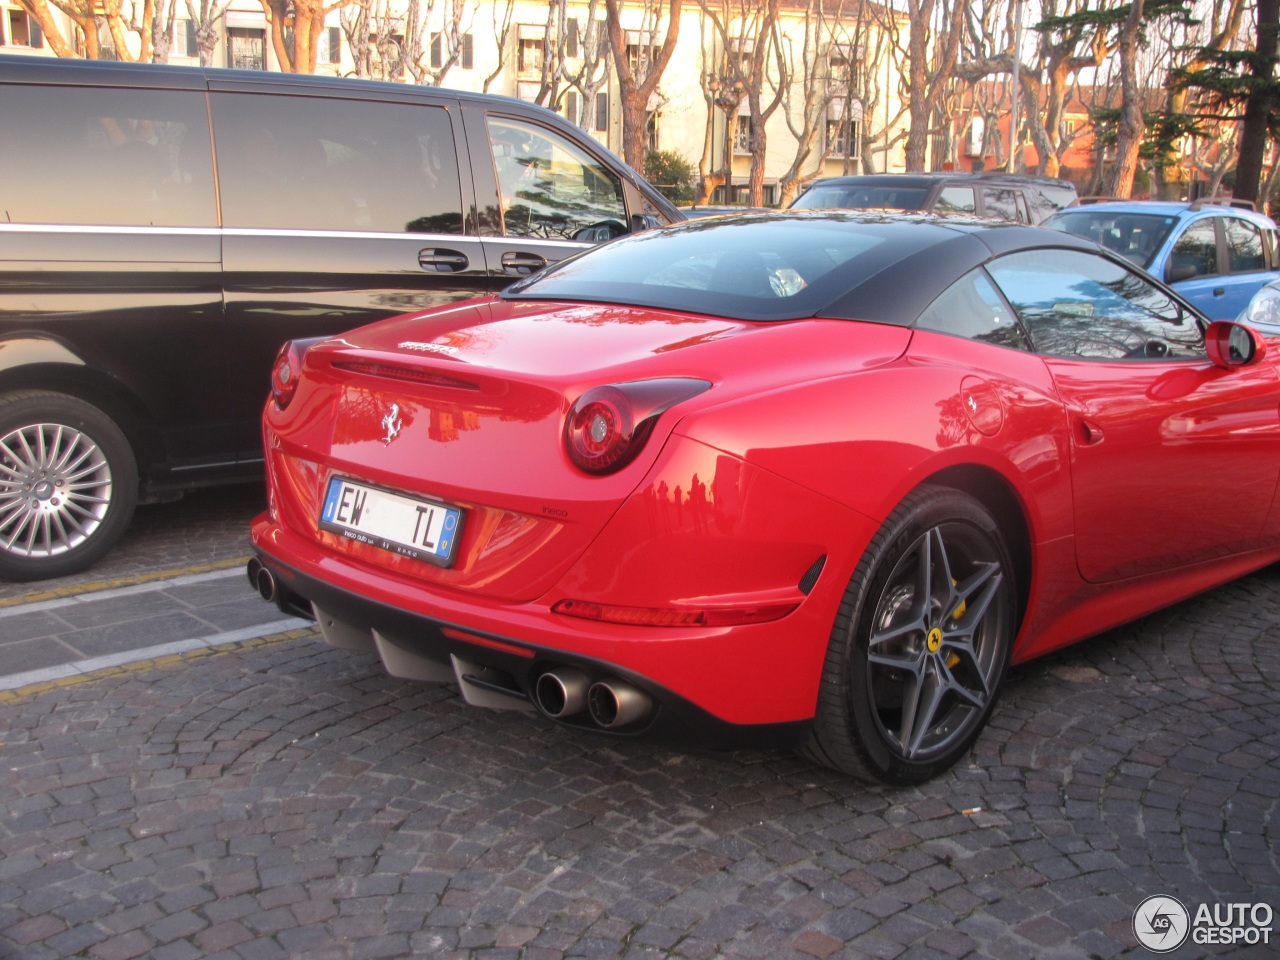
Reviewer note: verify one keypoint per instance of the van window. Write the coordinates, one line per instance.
(550, 188)
(1006, 204)
(104, 156)
(310, 163)
(955, 200)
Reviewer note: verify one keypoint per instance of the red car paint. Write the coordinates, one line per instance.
(811, 433)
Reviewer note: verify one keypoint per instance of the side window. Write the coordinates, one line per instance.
(1244, 246)
(105, 156)
(955, 200)
(306, 163)
(1003, 204)
(1080, 305)
(1195, 253)
(972, 308)
(551, 188)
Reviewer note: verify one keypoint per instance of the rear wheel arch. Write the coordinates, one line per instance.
(74, 379)
(995, 493)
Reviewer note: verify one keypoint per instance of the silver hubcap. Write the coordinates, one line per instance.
(55, 488)
(935, 647)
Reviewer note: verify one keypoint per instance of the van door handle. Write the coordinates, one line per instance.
(442, 261)
(522, 264)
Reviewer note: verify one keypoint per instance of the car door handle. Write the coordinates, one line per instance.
(1219, 291)
(443, 261)
(522, 264)
(1089, 433)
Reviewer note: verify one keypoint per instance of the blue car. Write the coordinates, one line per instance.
(1214, 253)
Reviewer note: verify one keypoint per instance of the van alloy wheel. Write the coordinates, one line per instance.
(67, 484)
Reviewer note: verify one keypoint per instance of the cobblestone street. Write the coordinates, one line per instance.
(276, 798)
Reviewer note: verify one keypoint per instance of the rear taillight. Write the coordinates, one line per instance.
(287, 369)
(607, 426)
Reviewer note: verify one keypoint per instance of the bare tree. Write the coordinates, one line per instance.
(501, 14)
(590, 75)
(430, 53)
(295, 28)
(1131, 124)
(746, 33)
(638, 76)
(205, 16)
(933, 45)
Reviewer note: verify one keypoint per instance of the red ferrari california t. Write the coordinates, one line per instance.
(807, 479)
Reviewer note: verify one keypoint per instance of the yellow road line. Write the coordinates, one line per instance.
(73, 589)
(154, 663)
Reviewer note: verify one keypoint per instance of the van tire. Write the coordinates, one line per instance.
(68, 484)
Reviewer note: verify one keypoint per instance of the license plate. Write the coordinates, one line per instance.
(410, 526)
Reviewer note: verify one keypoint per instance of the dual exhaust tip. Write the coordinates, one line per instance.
(563, 692)
(611, 703)
(263, 581)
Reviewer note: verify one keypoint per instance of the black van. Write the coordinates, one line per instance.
(164, 229)
(997, 196)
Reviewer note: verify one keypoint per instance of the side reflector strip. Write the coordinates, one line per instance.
(668, 617)
(486, 642)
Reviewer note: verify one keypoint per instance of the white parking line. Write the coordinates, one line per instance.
(149, 587)
(79, 667)
(61, 672)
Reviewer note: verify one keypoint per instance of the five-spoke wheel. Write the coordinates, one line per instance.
(921, 642)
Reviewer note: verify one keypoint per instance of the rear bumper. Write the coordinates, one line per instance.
(496, 653)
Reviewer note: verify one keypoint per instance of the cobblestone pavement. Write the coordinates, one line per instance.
(275, 798)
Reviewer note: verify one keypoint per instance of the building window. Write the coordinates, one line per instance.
(742, 134)
(529, 59)
(23, 30)
(466, 51)
(843, 138)
(330, 46)
(602, 111)
(388, 48)
(573, 106)
(641, 52)
(246, 48)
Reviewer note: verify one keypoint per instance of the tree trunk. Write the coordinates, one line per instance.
(1132, 126)
(1260, 106)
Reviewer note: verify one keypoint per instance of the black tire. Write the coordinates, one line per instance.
(68, 484)
(908, 683)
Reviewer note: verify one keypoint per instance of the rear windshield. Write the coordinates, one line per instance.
(1135, 236)
(831, 195)
(741, 268)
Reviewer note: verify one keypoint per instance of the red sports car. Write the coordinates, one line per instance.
(805, 479)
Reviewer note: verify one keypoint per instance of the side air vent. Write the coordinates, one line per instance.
(409, 374)
(810, 578)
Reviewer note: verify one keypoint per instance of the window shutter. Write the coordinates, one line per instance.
(193, 48)
(468, 52)
(602, 111)
(437, 55)
(571, 42)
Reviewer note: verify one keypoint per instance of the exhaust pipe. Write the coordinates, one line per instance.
(614, 703)
(562, 692)
(263, 581)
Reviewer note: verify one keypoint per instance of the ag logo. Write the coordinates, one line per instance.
(1161, 924)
